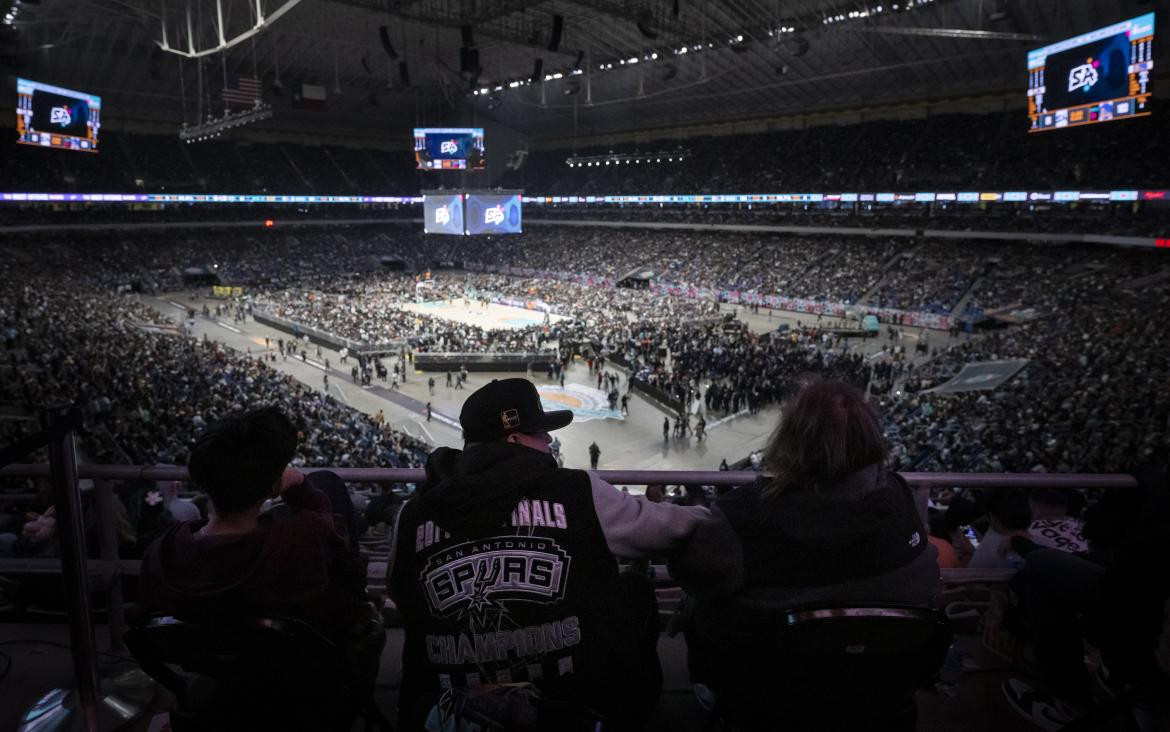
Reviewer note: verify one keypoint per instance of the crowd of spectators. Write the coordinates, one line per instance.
(1091, 397)
(145, 389)
(1088, 398)
(828, 268)
(932, 278)
(1087, 323)
(374, 313)
(943, 152)
(1119, 219)
(734, 369)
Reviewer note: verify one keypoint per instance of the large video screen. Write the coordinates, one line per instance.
(487, 214)
(443, 214)
(449, 148)
(1099, 76)
(49, 116)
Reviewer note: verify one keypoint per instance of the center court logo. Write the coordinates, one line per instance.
(1084, 77)
(494, 215)
(584, 402)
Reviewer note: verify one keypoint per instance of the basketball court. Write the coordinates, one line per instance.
(490, 317)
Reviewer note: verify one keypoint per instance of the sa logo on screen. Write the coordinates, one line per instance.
(494, 215)
(1084, 77)
(448, 147)
(63, 115)
(442, 215)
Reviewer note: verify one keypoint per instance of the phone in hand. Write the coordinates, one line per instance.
(971, 536)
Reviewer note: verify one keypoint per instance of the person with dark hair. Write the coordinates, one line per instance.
(829, 525)
(1009, 513)
(503, 568)
(297, 562)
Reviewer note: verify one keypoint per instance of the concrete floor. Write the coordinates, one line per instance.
(633, 443)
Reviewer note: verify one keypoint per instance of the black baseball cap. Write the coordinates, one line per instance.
(504, 406)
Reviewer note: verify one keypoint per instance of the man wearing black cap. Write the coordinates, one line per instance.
(503, 568)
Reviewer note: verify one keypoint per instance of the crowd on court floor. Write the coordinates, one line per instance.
(1091, 355)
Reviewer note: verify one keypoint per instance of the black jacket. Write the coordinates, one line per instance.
(503, 574)
(860, 541)
(813, 543)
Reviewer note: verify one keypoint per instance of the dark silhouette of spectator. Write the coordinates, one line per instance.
(504, 570)
(1008, 512)
(831, 525)
(296, 562)
(1115, 602)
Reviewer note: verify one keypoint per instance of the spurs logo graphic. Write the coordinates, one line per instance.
(510, 418)
(1083, 77)
(480, 574)
(60, 116)
(448, 147)
(494, 215)
(442, 215)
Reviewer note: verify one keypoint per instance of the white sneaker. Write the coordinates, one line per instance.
(1045, 711)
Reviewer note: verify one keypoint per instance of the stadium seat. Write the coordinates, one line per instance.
(252, 674)
(849, 667)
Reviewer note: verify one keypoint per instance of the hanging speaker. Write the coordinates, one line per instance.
(537, 67)
(404, 74)
(366, 65)
(580, 60)
(384, 36)
(554, 41)
(468, 38)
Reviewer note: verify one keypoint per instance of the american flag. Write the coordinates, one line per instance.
(243, 90)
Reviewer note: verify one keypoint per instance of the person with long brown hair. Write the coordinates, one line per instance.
(826, 522)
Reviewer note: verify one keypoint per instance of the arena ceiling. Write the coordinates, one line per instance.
(743, 58)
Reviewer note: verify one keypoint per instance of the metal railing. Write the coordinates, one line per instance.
(616, 477)
(78, 572)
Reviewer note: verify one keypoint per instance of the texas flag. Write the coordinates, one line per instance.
(311, 97)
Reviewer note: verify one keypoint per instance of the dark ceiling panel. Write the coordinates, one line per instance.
(110, 44)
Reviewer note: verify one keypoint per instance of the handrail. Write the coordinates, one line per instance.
(619, 477)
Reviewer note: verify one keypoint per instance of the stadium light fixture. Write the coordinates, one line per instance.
(216, 126)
